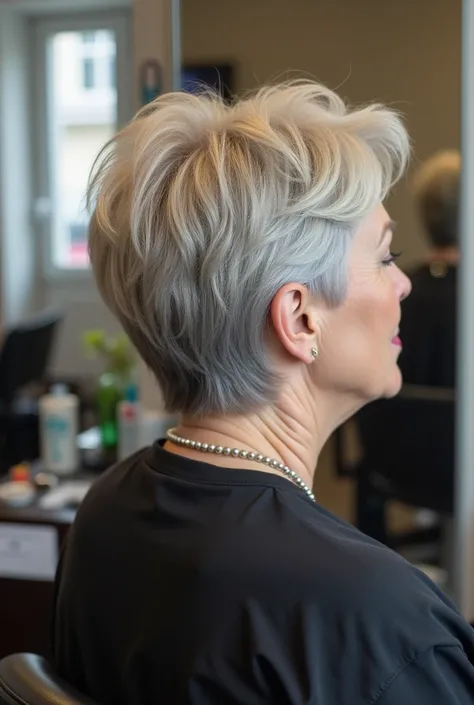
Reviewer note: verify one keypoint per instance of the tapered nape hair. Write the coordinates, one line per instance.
(202, 211)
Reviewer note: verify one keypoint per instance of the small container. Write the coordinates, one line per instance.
(17, 494)
(59, 412)
(128, 423)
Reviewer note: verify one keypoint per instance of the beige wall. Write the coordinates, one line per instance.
(406, 52)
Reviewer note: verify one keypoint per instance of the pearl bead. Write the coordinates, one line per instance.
(212, 448)
(226, 450)
(219, 450)
(259, 458)
(236, 452)
(198, 445)
(204, 446)
(243, 454)
(251, 455)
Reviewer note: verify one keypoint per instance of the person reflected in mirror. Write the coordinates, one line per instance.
(428, 325)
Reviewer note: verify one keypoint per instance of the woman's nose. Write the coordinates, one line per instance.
(404, 285)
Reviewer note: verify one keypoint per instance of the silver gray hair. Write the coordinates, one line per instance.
(204, 210)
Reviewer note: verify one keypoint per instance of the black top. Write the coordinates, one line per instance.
(185, 583)
(428, 327)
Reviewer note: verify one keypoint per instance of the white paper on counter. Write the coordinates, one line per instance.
(28, 551)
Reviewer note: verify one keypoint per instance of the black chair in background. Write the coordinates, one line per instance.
(26, 679)
(24, 359)
(26, 352)
(408, 446)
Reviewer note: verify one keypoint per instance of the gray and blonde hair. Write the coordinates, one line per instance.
(204, 210)
(437, 193)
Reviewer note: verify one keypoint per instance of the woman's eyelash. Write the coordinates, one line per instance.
(393, 256)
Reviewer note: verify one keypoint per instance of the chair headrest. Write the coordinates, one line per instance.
(30, 680)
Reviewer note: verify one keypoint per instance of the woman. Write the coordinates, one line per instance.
(246, 251)
(429, 315)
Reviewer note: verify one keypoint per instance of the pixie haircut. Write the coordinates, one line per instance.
(437, 193)
(202, 211)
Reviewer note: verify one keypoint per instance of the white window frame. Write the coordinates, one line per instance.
(41, 29)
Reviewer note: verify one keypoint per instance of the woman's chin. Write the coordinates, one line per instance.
(394, 385)
(387, 387)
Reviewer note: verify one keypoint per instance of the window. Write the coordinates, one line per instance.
(82, 97)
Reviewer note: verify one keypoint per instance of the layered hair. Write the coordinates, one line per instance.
(203, 210)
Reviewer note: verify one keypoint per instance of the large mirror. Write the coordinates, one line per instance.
(406, 54)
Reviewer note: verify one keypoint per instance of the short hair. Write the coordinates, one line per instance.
(437, 192)
(204, 210)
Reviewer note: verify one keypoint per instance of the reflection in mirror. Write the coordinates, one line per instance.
(409, 57)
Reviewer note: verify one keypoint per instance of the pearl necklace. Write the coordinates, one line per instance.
(238, 453)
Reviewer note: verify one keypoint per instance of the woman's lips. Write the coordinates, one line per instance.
(396, 340)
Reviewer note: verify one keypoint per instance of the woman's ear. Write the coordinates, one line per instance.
(293, 313)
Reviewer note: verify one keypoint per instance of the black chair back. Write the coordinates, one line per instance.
(26, 679)
(408, 446)
(25, 353)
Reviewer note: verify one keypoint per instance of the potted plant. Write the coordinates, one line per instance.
(119, 362)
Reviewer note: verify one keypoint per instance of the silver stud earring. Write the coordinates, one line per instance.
(314, 353)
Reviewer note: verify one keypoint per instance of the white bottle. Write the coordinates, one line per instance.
(59, 412)
(128, 423)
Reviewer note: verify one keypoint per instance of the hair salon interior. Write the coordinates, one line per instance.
(71, 74)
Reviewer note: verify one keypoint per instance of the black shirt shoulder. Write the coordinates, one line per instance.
(208, 585)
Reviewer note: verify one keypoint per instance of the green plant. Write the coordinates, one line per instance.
(115, 351)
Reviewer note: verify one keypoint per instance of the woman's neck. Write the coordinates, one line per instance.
(288, 431)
